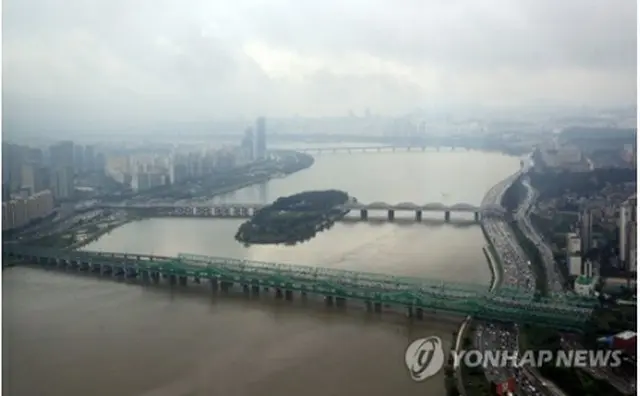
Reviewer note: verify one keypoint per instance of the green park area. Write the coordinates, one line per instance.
(295, 218)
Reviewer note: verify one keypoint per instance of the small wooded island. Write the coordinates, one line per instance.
(293, 219)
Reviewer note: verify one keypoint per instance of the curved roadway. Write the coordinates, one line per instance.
(516, 273)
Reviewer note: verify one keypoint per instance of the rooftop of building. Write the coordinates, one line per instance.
(584, 280)
(626, 335)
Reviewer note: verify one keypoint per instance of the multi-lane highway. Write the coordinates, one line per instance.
(516, 273)
(554, 278)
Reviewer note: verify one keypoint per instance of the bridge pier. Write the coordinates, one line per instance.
(328, 300)
(278, 293)
(214, 285)
(341, 302)
(183, 280)
(410, 312)
(364, 214)
(391, 215)
(419, 314)
(369, 305)
(418, 215)
(225, 286)
(145, 276)
(155, 276)
(476, 216)
(288, 295)
(172, 279)
(377, 307)
(245, 289)
(128, 273)
(255, 290)
(447, 216)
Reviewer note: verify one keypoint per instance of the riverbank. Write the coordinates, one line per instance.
(463, 338)
(88, 238)
(476, 378)
(292, 162)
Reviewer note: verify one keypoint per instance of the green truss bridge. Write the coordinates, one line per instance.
(418, 296)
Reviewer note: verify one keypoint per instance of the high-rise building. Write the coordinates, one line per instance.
(100, 163)
(35, 178)
(574, 258)
(35, 156)
(62, 182)
(18, 213)
(6, 194)
(586, 228)
(89, 158)
(78, 159)
(28, 178)
(260, 151)
(627, 221)
(62, 155)
(13, 156)
(247, 145)
(633, 247)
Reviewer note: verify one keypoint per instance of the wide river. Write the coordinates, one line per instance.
(73, 335)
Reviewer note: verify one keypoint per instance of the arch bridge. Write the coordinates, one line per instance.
(416, 295)
(245, 210)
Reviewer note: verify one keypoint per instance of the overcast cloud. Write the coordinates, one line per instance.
(77, 61)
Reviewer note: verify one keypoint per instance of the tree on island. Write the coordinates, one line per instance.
(294, 218)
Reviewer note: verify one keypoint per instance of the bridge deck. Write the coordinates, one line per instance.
(463, 299)
(403, 206)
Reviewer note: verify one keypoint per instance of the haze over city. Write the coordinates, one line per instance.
(319, 197)
(109, 64)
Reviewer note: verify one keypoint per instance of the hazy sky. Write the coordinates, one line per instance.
(67, 61)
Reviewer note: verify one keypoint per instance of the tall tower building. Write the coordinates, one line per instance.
(89, 158)
(62, 182)
(35, 177)
(78, 159)
(260, 151)
(633, 247)
(28, 178)
(13, 157)
(248, 146)
(586, 228)
(627, 221)
(574, 259)
(6, 194)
